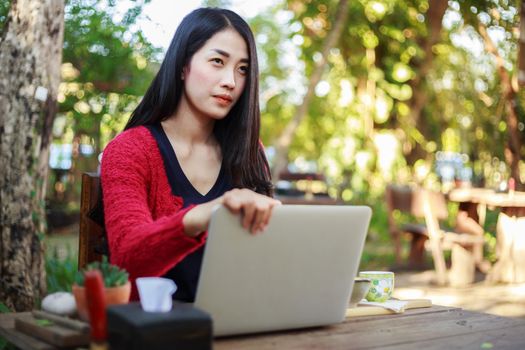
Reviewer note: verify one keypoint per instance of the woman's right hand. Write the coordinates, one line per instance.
(255, 210)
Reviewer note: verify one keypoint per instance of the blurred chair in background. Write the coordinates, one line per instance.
(92, 244)
(432, 207)
(399, 201)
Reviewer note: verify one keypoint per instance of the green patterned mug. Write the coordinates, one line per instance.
(381, 287)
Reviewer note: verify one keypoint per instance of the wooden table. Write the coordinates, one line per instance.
(510, 235)
(437, 327)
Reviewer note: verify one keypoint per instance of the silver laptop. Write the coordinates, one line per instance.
(298, 273)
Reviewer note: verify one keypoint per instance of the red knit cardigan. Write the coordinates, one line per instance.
(143, 218)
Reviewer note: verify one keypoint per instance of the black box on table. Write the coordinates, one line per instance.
(184, 327)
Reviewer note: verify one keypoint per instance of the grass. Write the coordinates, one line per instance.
(4, 344)
(60, 273)
(377, 256)
(61, 261)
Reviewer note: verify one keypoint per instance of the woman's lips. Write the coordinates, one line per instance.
(223, 100)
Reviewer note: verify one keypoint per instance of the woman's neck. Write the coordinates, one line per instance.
(190, 126)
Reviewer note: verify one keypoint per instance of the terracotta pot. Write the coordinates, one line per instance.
(113, 295)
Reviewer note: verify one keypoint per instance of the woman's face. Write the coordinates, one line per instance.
(216, 75)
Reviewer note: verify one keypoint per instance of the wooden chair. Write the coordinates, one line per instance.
(401, 199)
(433, 207)
(92, 244)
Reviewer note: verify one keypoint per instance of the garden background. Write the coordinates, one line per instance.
(365, 92)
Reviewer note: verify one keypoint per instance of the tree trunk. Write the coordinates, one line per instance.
(284, 141)
(435, 14)
(521, 47)
(30, 58)
(513, 147)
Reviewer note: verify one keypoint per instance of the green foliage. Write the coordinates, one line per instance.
(4, 345)
(60, 273)
(113, 275)
(44, 322)
(4, 309)
(379, 223)
(272, 36)
(365, 129)
(107, 66)
(217, 3)
(367, 82)
(106, 52)
(4, 10)
(376, 256)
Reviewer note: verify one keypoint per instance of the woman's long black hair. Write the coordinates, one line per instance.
(238, 133)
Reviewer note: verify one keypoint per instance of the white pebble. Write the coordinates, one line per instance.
(60, 303)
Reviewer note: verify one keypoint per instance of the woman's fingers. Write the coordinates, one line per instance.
(259, 218)
(232, 202)
(255, 208)
(266, 218)
(248, 215)
(263, 215)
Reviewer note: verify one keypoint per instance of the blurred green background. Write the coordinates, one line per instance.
(410, 91)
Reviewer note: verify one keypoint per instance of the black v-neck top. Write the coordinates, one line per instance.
(186, 273)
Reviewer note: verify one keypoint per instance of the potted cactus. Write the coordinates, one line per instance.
(117, 287)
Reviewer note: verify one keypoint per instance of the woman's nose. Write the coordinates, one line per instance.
(228, 79)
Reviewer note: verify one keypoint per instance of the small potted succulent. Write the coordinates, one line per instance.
(117, 287)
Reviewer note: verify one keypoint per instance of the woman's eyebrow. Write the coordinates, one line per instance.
(226, 54)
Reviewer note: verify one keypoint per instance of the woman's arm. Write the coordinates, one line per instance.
(138, 243)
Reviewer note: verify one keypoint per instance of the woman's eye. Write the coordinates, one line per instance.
(216, 60)
(243, 69)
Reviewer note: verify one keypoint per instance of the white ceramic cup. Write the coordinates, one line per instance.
(155, 293)
(381, 286)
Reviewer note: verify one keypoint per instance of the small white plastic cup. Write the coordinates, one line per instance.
(155, 293)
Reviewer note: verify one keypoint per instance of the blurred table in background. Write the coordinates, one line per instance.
(510, 235)
(303, 188)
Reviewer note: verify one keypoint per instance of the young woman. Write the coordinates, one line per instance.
(192, 143)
